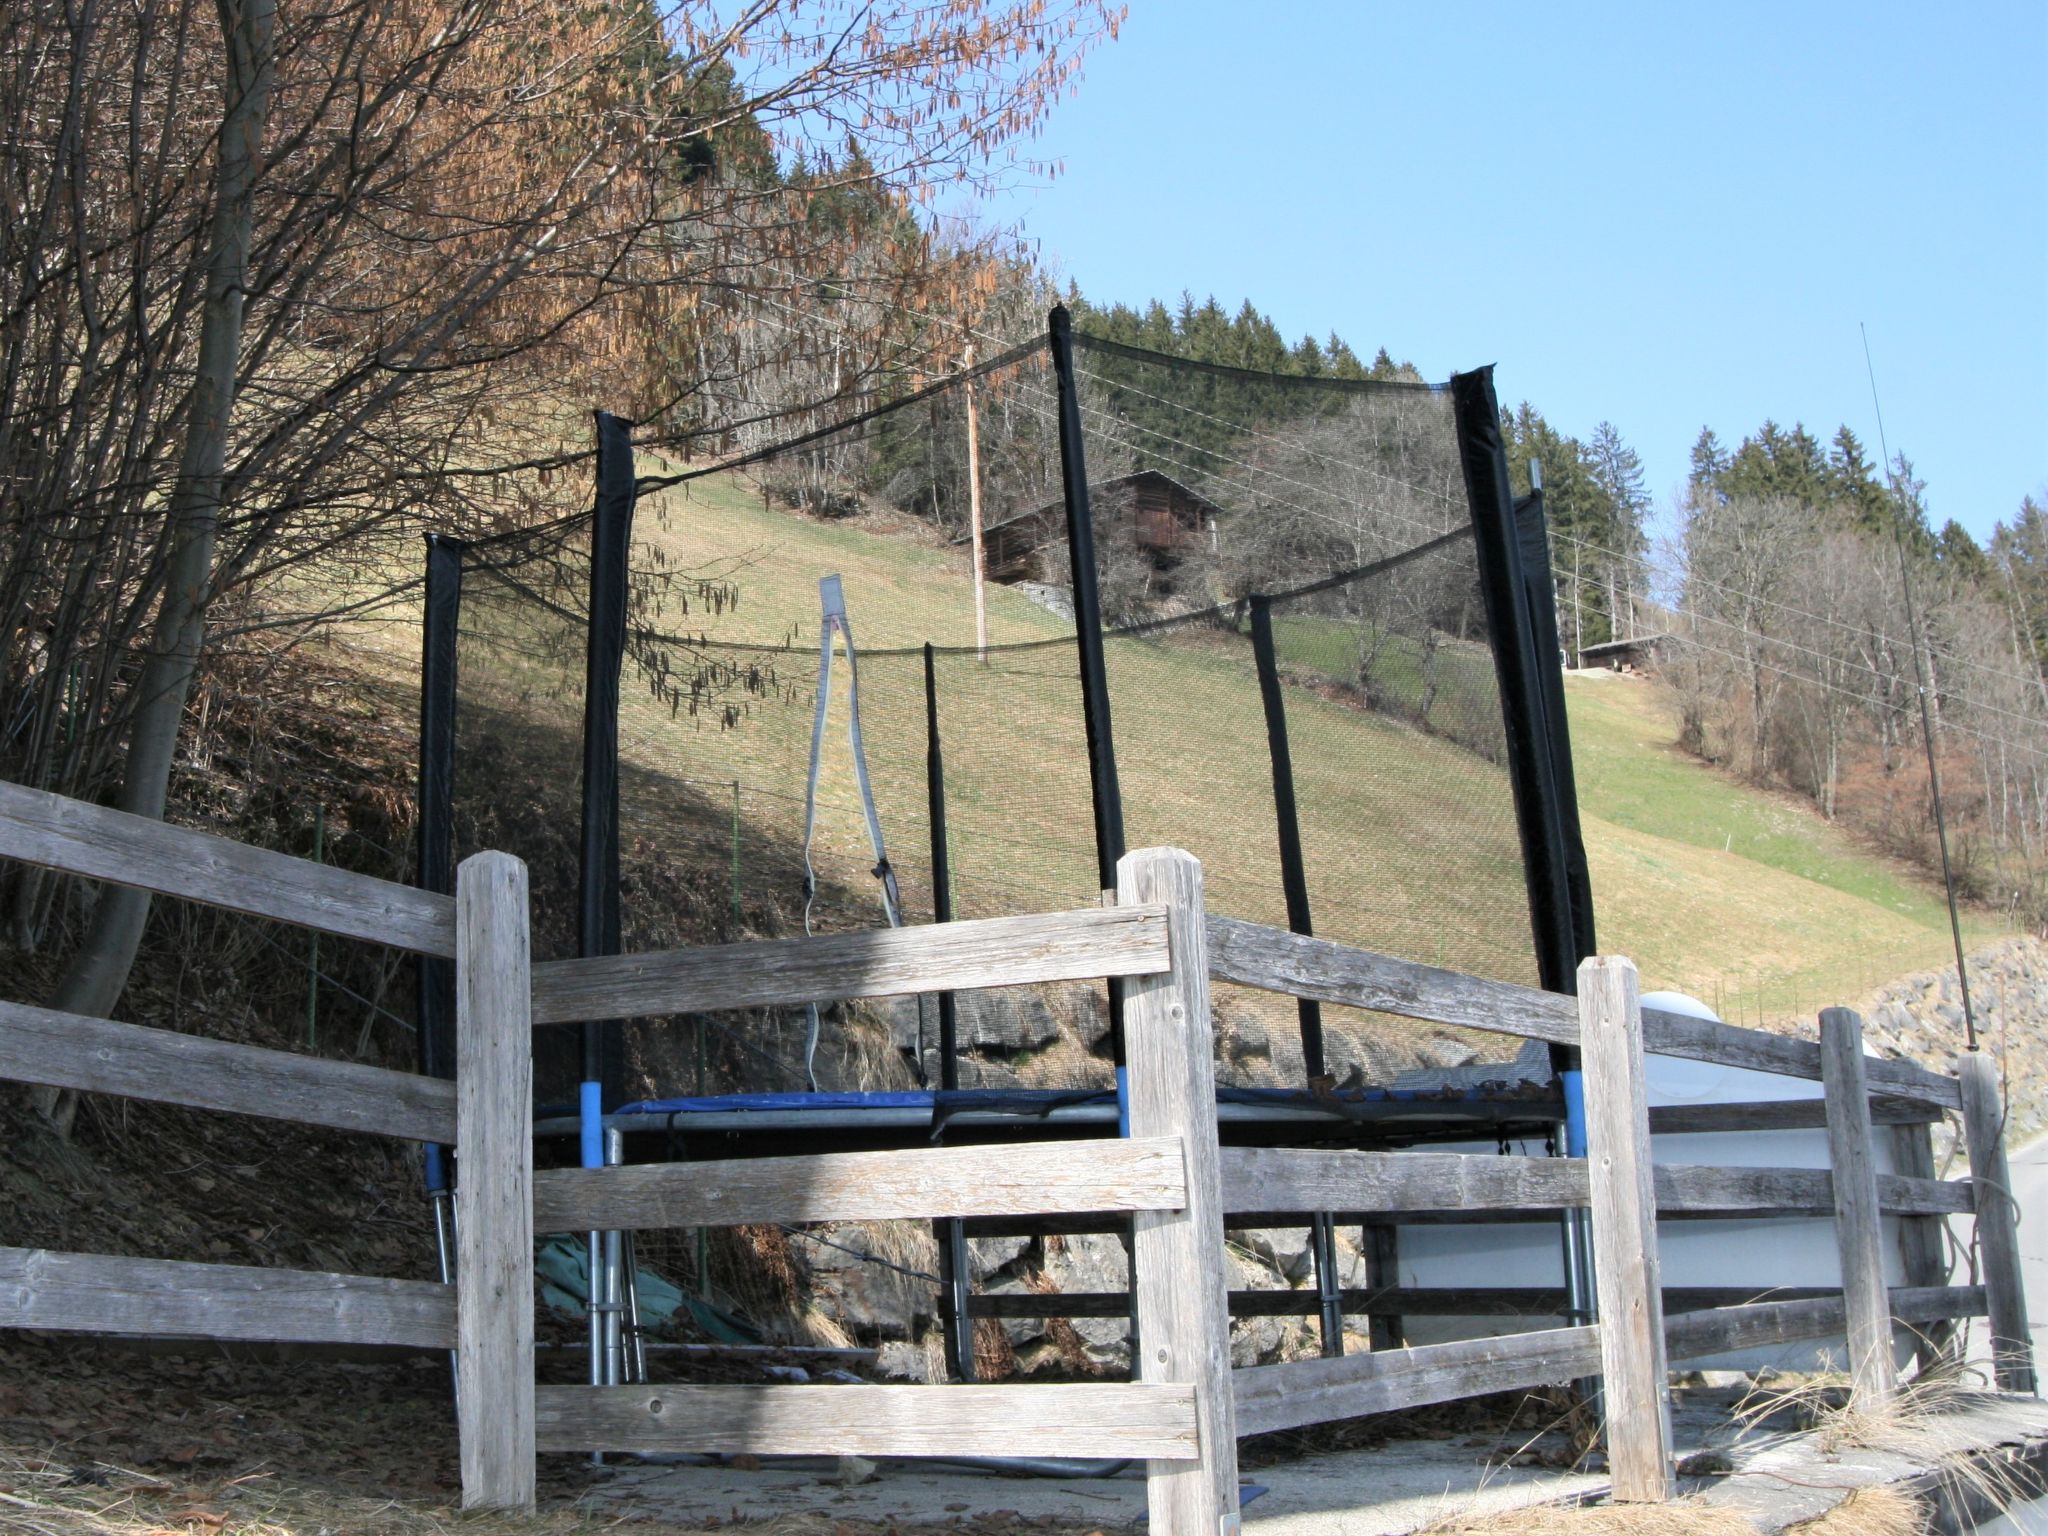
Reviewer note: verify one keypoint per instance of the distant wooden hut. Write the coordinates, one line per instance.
(1165, 519)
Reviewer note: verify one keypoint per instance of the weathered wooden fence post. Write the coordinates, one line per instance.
(1923, 1245)
(1858, 1235)
(494, 1188)
(1626, 1277)
(1178, 1257)
(1998, 1238)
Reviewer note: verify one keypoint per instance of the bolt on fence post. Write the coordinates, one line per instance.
(1626, 1274)
(494, 1190)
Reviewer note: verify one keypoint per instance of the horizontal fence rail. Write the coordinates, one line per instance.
(1299, 1392)
(1287, 1396)
(1093, 1419)
(1506, 1301)
(1278, 1181)
(76, 838)
(1274, 960)
(1141, 1174)
(1288, 1179)
(1780, 1115)
(1696, 1335)
(102, 1293)
(884, 962)
(163, 1066)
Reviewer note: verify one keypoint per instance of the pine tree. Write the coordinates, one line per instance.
(1709, 464)
(1618, 471)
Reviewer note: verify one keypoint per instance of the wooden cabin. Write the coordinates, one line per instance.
(1166, 520)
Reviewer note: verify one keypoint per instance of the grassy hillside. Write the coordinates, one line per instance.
(1748, 900)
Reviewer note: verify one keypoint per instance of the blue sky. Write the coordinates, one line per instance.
(1663, 216)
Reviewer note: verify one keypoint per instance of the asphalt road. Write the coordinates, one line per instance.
(2030, 1186)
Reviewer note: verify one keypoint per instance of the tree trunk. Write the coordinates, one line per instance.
(99, 971)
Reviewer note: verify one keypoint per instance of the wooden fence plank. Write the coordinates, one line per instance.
(1684, 1190)
(1672, 1034)
(1274, 960)
(1923, 1245)
(1695, 1335)
(916, 1184)
(1431, 1301)
(69, 1050)
(1286, 1396)
(1381, 1244)
(1291, 1179)
(1055, 1419)
(1998, 1244)
(1858, 1237)
(1782, 1115)
(1262, 1186)
(81, 839)
(1178, 1263)
(494, 1189)
(1626, 1274)
(882, 962)
(100, 1293)
(1273, 1397)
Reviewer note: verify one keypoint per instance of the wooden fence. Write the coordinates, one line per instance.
(1168, 1178)
(1634, 1340)
(102, 1293)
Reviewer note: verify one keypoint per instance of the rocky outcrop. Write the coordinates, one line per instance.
(1920, 1018)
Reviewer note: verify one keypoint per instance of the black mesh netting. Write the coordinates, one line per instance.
(1342, 499)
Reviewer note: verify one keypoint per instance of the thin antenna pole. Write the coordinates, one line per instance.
(1920, 678)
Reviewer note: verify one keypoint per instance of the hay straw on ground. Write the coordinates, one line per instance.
(1680, 1517)
(1915, 1425)
(1868, 1512)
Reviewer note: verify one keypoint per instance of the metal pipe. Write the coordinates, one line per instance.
(614, 1278)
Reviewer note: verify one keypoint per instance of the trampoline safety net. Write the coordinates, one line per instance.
(1332, 513)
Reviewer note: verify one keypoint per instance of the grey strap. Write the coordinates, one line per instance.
(832, 602)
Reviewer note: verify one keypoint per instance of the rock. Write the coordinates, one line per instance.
(1286, 1249)
(1447, 1053)
(855, 1292)
(1010, 1021)
(986, 1256)
(900, 1360)
(1092, 1262)
(1257, 1341)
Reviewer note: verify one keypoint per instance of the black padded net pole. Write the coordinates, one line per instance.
(1531, 768)
(1286, 818)
(1532, 535)
(598, 924)
(1107, 794)
(436, 868)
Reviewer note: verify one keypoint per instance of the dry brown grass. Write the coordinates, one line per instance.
(1917, 1425)
(44, 1495)
(1869, 1512)
(1680, 1517)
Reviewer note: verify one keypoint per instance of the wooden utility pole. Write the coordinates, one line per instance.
(974, 507)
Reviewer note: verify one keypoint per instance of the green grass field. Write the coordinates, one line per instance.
(1747, 899)
(1733, 893)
